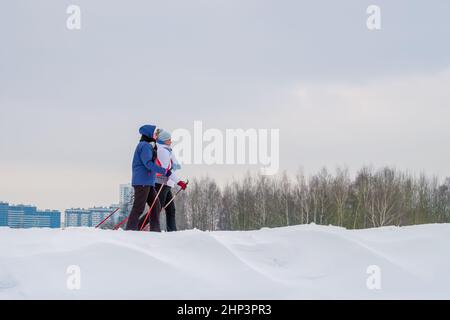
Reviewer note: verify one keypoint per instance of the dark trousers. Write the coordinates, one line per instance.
(143, 195)
(164, 198)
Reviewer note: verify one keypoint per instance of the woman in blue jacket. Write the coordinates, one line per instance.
(143, 179)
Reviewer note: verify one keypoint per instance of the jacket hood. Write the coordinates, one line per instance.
(147, 130)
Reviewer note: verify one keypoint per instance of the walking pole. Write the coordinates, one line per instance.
(174, 196)
(120, 223)
(98, 225)
(103, 221)
(151, 207)
(117, 226)
(163, 208)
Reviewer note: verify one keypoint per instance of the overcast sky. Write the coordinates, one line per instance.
(71, 101)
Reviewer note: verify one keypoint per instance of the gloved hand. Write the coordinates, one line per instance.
(182, 184)
(168, 173)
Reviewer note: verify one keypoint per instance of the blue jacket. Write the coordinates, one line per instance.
(144, 167)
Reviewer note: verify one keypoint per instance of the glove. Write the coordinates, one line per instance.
(168, 173)
(182, 184)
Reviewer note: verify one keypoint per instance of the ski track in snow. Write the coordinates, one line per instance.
(297, 262)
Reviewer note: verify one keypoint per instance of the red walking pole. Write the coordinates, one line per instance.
(111, 214)
(120, 223)
(151, 207)
(174, 196)
(126, 219)
(107, 218)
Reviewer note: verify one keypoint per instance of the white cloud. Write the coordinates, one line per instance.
(401, 121)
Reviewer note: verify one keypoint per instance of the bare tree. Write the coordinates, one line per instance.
(372, 199)
(340, 192)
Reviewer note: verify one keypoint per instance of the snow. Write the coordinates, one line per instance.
(298, 262)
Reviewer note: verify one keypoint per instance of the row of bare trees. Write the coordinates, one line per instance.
(371, 198)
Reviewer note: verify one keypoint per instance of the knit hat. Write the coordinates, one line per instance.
(164, 135)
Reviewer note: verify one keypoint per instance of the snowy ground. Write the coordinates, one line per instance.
(312, 262)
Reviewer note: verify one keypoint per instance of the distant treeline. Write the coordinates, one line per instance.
(372, 198)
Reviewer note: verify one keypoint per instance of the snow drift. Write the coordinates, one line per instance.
(299, 262)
